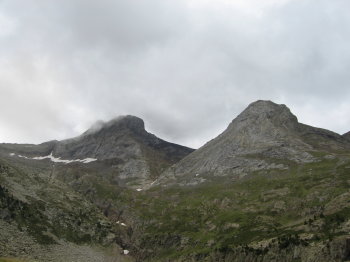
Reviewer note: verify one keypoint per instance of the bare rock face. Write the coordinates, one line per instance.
(264, 130)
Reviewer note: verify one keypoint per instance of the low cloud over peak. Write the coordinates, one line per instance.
(186, 67)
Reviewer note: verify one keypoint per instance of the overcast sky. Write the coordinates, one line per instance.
(186, 67)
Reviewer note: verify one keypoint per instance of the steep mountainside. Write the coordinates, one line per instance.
(264, 130)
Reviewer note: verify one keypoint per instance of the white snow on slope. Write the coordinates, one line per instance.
(57, 159)
(121, 223)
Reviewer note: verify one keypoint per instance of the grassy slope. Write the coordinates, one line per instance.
(299, 205)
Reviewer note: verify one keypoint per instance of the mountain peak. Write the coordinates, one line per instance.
(123, 141)
(265, 105)
(264, 130)
(267, 108)
(264, 115)
(129, 122)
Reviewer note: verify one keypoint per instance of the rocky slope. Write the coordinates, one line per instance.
(347, 136)
(43, 219)
(264, 130)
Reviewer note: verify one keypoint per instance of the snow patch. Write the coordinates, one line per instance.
(88, 160)
(126, 252)
(57, 159)
(121, 223)
(139, 189)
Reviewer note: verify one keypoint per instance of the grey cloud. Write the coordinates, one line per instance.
(186, 70)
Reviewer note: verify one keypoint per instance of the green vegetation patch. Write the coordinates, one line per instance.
(225, 215)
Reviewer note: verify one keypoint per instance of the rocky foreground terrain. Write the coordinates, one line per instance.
(267, 189)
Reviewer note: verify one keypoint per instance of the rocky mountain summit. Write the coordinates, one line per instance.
(120, 138)
(121, 144)
(126, 145)
(259, 138)
(267, 189)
